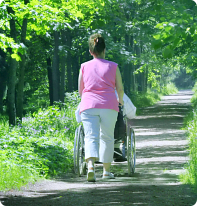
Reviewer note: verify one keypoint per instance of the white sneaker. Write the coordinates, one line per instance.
(91, 175)
(108, 175)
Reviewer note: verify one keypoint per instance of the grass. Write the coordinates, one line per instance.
(40, 147)
(170, 88)
(149, 98)
(142, 99)
(191, 125)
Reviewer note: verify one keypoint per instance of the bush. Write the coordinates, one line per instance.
(145, 99)
(170, 88)
(40, 147)
(191, 125)
(194, 97)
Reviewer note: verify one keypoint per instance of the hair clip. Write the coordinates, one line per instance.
(95, 41)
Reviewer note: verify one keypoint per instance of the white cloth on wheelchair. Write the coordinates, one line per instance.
(129, 108)
(77, 114)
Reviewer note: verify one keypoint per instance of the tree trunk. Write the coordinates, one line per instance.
(132, 75)
(49, 70)
(20, 93)
(3, 78)
(63, 68)
(133, 78)
(12, 75)
(146, 79)
(139, 75)
(75, 67)
(127, 68)
(55, 68)
(69, 74)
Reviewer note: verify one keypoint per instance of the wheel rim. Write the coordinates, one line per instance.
(131, 156)
(75, 151)
(132, 152)
(81, 150)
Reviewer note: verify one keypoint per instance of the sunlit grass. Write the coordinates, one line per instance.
(149, 98)
(141, 100)
(40, 147)
(170, 88)
(190, 175)
(13, 175)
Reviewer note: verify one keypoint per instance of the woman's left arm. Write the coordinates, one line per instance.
(80, 83)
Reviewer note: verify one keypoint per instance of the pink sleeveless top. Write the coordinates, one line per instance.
(99, 77)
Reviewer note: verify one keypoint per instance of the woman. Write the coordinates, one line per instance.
(98, 79)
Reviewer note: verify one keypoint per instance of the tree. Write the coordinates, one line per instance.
(19, 100)
(3, 78)
(12, 73)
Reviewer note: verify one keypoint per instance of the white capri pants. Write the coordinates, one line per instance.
(99, 127)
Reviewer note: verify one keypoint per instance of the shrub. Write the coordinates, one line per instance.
(191, 125)
(40, 147)
(145, 99)
(170, 88)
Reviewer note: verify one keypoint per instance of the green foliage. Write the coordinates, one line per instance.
(170, 88)
(15, 175)
(37, 99)
(145, 99)
(183, 80)
(43, 16)
(191, 125)
(149, 98)
(41, 147)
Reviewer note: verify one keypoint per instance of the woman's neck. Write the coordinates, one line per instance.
(100, 56)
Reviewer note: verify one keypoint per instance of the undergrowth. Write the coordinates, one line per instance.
(142, 99)
(170, 88)
(149, 98)
(191, 125)
(40, 147)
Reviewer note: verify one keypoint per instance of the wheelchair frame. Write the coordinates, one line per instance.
(128, 151)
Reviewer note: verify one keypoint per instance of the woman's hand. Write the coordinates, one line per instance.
(121, 103)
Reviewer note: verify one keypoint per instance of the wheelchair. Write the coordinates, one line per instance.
(124, 145)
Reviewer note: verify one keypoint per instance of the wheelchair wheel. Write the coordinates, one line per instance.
(79, 152)
(131, 151)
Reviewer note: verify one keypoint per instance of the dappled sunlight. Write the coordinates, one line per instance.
(160, 160)
(164, 115)
(144, 132)
(161, 144)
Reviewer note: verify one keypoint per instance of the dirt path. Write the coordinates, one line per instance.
(161, 155)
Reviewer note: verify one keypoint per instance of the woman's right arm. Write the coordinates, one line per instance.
(80, 83)
(119, 86)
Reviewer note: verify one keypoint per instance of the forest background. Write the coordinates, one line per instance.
(42, 45)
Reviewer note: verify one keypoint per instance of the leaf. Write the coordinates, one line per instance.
(16, 56)
(168, 28)
(167, 53)
(192, 29)
(159, 26)
(176, 41)
(156, 44)
(169, 39)
(157, 36)
(162, 18)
